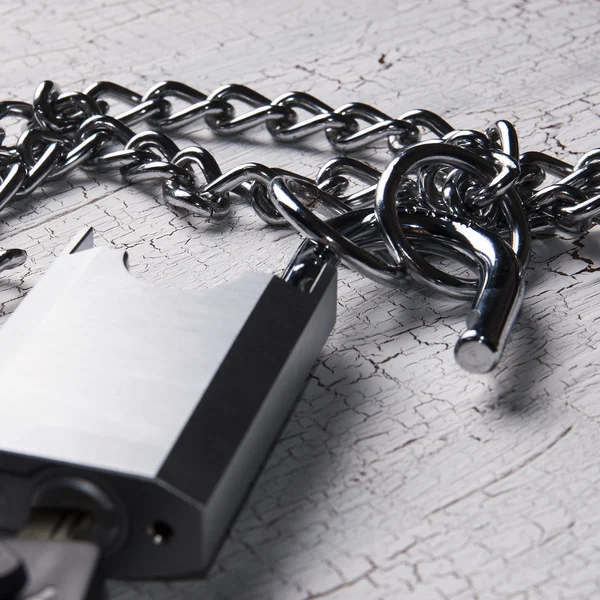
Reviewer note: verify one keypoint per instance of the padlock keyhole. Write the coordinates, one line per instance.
(88, 509)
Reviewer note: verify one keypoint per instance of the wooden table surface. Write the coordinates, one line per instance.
(398, 474)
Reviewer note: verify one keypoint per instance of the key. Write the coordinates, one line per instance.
(44, 563)
(13, 576)
(55, 570)
(151, 410)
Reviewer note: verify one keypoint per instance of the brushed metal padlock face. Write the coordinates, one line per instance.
(149, 409)
(126, 361)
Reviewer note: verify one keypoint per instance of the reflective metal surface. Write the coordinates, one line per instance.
(141, 347)
(500, 284)
(464, 176)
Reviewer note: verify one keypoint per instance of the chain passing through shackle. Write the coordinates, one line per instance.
(465, 196)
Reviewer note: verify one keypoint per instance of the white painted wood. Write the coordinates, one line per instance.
(398, 476)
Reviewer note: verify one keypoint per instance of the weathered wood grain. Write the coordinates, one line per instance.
(398, 476)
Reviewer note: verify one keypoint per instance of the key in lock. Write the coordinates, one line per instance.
(151, 410)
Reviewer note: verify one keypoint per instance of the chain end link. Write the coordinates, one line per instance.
(11, 259)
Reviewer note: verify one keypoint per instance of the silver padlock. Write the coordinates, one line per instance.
(151, 410)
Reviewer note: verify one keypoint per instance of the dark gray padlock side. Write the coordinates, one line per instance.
(249, 399)
(171, 526)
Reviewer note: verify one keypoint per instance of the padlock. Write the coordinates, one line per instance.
(151, 410)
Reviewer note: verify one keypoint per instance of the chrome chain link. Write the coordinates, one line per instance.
(476, 178)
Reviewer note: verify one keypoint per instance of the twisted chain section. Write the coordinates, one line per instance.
(76, 129)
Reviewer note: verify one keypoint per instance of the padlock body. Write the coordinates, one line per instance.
(150, 408)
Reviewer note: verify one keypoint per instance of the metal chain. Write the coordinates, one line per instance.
(66, 130)
(476, 178)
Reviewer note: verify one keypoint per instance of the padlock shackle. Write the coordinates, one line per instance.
(308, 264)
(501, 286)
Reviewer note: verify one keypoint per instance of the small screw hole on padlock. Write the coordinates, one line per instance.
(160, 533)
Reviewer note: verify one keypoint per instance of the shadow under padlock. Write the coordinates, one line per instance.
(151, 410)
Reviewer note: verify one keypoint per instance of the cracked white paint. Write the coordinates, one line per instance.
(398, 475)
